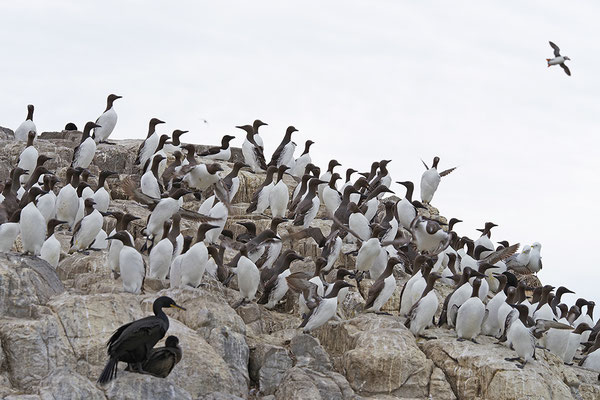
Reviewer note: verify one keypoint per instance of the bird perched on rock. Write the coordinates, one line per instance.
(148, 147)
(106, 121)
(430, 180)
(85, 151)
(132, 342)
(26, 126)
(558, 59)
(161, 360)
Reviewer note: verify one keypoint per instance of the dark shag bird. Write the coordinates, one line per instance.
(132, 343)
(161, 360)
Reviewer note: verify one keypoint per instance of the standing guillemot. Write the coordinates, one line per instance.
(193, 264)
(115, 246)
(85, 151)
(169, 174)
(131, 343)
(32, 224)
(248, 277)
(430, 180)
(301, 162)
(326, 177)
(51, 248)
(383, 288)
(161, 255)
(200, 177)
(309, 206)
(149, 145)
(558, 59)
(9, 230)
(87, 228)
(284, 154)
(331, 197)
(175, 144)
(469, 316)
(131, 264)
(106, 121)
(219, 153)
(260, 199)
(28, 158)
(422, 313)
(22, 132)
(322, 309)
(231, 182)
(279, 195)
(149, 183)
(358, 223)
(252, 152)
(101, 195)
(276, 287)
(255, 125)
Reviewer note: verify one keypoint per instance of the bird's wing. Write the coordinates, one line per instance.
(277, 154)
(131, 190)
(542, 325)
(312, 232)
(298, 281)
(556, 49)
(230, 243)
(501, 254)
(303, 208)
(76, 152)
(426, 167)
(567, 71)
(76, 229)
(446, 172)
(194, 216)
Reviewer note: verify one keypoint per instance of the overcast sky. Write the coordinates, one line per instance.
(365, 80)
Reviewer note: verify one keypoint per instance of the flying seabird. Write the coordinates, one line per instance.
(558, 59)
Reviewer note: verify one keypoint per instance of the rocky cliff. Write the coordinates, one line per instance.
(55, 323)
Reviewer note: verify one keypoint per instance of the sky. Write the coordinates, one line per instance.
(365, 80)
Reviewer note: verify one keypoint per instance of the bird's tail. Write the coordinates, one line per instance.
(109, 372)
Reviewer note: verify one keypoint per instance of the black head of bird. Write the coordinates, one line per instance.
(30, 109)
(436, 160)
(172, 341)
(258, 123)
(214, 168)
(290, 130)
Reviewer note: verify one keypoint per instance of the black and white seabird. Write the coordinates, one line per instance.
(252, 152)
(200, 177)
(85, 231)
(149, 183)
(32, 224)
(219, 153)
(309, 206)
(51, 248)
(279, 195)
(284, 154)
(106, 121)
(383, 288)
(331, 197)
(231, 182)
(276, 286)
(131, 264)
(322, 309)
(9, 230)
(558, 59)
(430, 180)
(423, 311)
(115, 246)
(85, 151)
(149, 145)
(326, 176)
(28, 157)
(301, 162)
(260, 198)
(101, 195)
(469, 316)
(26, 126)
(255, 126)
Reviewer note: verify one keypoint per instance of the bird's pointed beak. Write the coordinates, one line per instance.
(177, 306)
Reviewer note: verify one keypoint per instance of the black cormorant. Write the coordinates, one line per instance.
(161, 360)
(132, 342)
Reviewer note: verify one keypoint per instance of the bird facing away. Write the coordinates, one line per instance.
(558, 59)
(132, 342)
